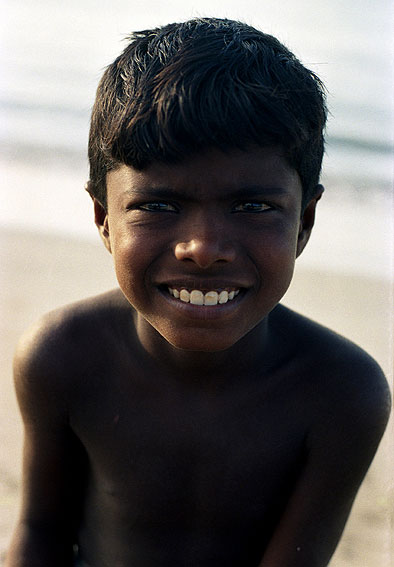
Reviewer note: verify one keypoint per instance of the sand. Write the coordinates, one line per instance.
(40, 272)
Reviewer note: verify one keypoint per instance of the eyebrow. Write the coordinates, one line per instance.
(241, 192)
(258, 190)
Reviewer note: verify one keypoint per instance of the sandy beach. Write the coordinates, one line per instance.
(40, 272)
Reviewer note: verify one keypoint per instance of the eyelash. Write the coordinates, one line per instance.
(156, 207)
(251, 207)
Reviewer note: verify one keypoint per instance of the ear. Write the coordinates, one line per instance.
(308, 219)
(101, 221)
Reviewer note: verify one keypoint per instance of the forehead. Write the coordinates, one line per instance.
(214, 172)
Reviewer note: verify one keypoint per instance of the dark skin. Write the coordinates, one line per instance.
(160, 433)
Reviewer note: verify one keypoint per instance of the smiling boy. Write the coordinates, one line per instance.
(188, 419)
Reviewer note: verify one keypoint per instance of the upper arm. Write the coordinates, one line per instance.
(52, 455)
(341, 445)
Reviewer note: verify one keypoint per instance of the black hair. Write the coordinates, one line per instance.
(179, 89)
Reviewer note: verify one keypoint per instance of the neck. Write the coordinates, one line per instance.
(250, 354)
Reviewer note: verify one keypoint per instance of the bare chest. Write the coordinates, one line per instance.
(156, 455)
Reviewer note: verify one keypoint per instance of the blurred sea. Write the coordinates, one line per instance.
(53, 54)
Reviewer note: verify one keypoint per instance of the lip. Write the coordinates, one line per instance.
(207, 284)
(220, 311)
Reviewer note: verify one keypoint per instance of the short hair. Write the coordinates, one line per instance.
(184, 87)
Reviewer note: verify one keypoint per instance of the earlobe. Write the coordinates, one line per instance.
(308, 219)
(101, 221)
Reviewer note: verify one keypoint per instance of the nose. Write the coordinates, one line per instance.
(205, 245)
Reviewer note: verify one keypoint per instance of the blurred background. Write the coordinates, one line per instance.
(52, 55)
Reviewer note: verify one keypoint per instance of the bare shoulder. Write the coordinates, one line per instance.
(349, 385)
(340, 396)
(62, 329)
(52, 352)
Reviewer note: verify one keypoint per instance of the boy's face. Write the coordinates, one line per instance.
(217, 222)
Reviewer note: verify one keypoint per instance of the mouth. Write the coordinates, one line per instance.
(202, 297)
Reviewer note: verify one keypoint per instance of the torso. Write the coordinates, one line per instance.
(178, 475)
(189, 478)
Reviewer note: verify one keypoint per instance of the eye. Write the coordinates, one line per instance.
(251, 207)
(157, 207)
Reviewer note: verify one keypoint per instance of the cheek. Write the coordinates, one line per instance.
(131, 262)
(276, 263)
(277, 251)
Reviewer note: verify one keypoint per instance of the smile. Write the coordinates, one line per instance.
(197, 297)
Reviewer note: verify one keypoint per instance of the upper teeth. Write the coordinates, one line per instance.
(197, 297)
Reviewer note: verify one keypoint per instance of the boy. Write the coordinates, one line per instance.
(188, 419)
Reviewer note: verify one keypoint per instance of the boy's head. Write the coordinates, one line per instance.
(183, 88)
